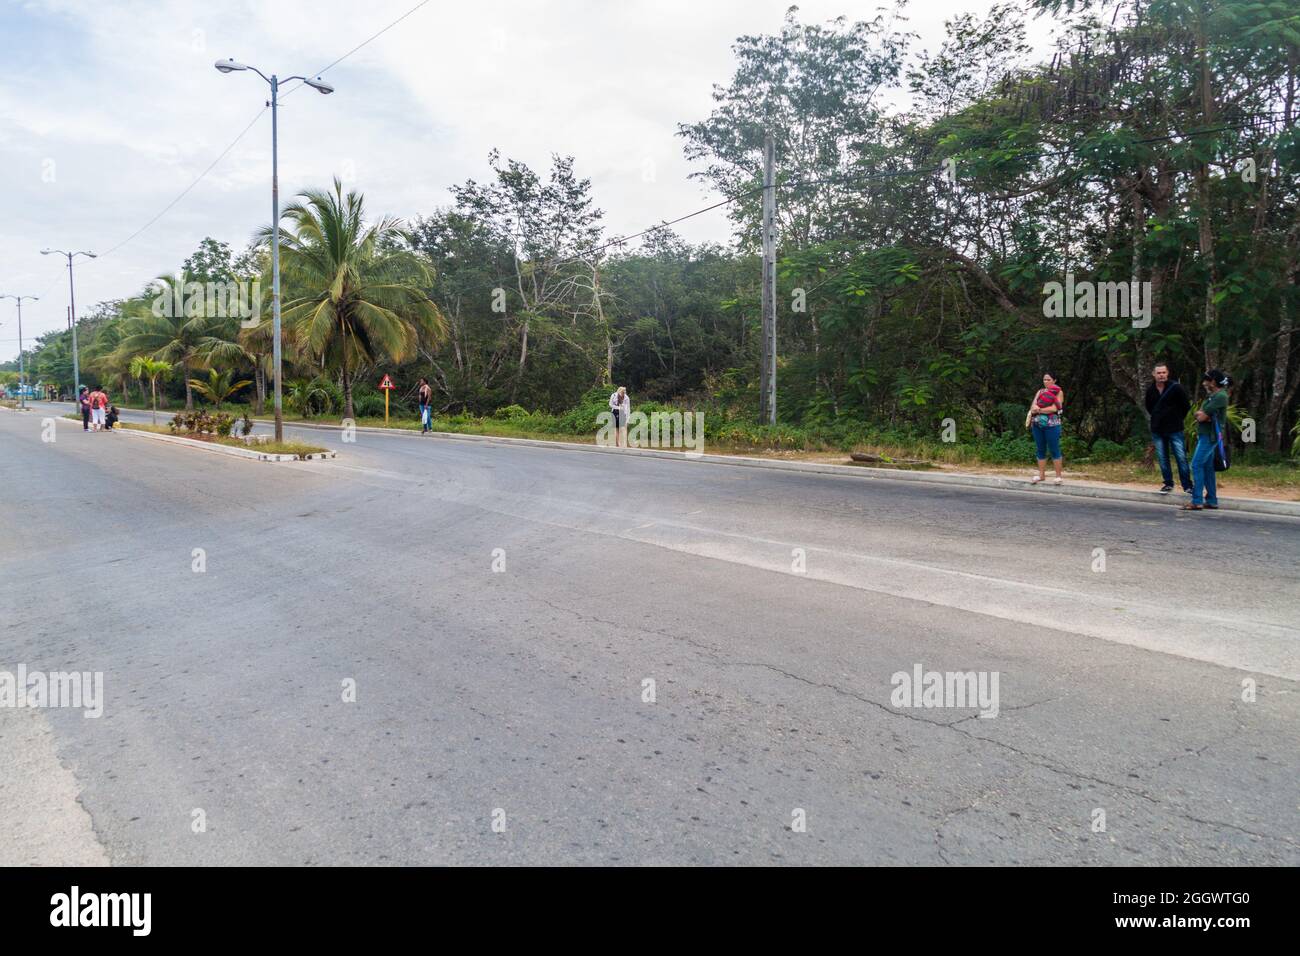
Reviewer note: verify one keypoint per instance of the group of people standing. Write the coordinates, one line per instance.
(1167, 405)
(97, 413)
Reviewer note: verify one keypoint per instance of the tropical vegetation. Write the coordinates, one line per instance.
(1156, 149)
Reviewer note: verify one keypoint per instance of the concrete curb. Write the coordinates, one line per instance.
(1287, 509)
(247, 453)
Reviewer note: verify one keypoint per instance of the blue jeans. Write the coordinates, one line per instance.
(1203, 473)
(1163, 443)
(1047, 438)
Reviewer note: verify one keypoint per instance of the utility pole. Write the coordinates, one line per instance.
(276, 359)
(72, 314)
(767, 374)
(22, 369)
(320, 86)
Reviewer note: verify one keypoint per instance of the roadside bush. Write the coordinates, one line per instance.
(511, 413)
(369, 406)
(203, 423)
(1011, 415)
(1103, 449)
(311, 397)
(1007, 449)
(1073, 448)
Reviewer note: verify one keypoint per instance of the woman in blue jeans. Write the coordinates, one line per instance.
(1044, 420)
(1211, 421)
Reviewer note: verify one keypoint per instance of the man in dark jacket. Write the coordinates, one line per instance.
(83, 402)
(1167, 404)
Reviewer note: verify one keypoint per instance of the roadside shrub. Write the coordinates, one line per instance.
(1007, 449)
(369, 406)
(311, 397)
(203, 423)
(1011, 416)
(581, 419)
(1073, 448)
(1103, 449)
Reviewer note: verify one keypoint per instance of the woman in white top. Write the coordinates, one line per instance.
(621, 406)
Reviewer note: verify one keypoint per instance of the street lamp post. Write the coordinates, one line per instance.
(72, 314)
(22, 368)
(231, 66)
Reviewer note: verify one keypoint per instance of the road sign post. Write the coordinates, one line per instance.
(387, 385)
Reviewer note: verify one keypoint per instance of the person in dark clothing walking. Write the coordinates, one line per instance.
(1168, 404)
(83, 400)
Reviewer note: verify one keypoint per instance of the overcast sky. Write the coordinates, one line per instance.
(109, 110)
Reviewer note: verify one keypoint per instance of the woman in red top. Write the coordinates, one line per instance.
(98, 402)
(1044, 420)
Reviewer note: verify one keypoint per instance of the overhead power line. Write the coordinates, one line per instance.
(186, 191)
(363, 43)
(242, 133)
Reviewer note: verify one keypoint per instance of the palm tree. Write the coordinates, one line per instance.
(142, 368)
(103, 354)
(219, 386)
(190, 341)
(358, 295)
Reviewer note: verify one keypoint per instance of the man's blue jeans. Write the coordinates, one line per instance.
(1163, 444)
(1203, 473)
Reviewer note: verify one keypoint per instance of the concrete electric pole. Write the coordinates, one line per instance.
(767, 375)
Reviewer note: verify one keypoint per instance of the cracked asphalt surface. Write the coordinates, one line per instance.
(769, 609)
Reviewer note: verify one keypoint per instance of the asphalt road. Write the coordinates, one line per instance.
(506, 716)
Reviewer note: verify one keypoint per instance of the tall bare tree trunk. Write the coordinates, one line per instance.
(1205, 231)
(347, 385)
(523, 358)
(1279, 393)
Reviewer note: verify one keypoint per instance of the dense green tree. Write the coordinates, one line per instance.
(355, 296)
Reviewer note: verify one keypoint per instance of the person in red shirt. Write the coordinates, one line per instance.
(98, 402)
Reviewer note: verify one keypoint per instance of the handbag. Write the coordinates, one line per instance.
(1222, 450)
